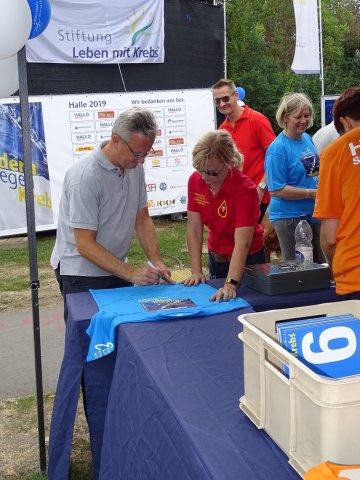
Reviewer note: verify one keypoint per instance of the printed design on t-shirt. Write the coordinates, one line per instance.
(165, 303)
(200, 199)
(311, 162)
(355, 153)
(222, 210)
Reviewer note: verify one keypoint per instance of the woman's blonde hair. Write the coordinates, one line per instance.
(217, 144)
(292, 104)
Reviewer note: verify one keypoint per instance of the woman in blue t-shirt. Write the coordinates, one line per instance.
(292, 170)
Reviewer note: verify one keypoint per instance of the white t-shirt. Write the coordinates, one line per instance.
(323, 137)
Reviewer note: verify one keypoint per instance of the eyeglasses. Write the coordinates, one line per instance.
(211, 173)
(138, 154)
(225, 99)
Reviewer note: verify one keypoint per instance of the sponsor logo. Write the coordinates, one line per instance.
(175, 109)
(106, 124)
(151, 187)
(176, 150)
(175, 121)
(88, 148)
(155, 162)
(151, 204)
(163, 186)
(176, 141)
(106, 114)
(165, 203)
(157, 153)
(183, 200)
(81, 115)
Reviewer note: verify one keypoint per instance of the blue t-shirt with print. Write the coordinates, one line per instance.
(295, 163)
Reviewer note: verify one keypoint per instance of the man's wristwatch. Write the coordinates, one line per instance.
(262, 186)
(231, 281)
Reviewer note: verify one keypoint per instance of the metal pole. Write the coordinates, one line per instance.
(321, 51)
(225, 44)
(31, 231)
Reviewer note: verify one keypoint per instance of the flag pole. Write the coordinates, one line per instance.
(321, 50)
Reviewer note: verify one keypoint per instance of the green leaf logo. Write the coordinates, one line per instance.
(139, 32)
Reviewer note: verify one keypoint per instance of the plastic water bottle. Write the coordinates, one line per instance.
(303, 244)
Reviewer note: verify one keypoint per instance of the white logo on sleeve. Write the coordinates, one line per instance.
(356, 157)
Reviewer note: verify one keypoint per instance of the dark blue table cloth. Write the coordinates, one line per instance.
(173, 409)
(100, 378)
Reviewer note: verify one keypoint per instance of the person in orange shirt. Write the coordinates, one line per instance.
(338, 196)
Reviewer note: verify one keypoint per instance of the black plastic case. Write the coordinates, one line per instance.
(286, 277)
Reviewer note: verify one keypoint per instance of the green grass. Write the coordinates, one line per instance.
(20, 255)
(171, 237)
(172, 243)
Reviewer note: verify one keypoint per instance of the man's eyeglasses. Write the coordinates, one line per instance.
(225, 99)
(138, 154)
(211, 173)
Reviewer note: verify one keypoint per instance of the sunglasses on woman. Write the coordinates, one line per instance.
(211, 173)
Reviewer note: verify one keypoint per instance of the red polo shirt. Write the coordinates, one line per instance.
(252, 134)
(235, 205)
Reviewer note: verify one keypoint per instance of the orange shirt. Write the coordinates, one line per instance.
(338, 197)
(330, 471)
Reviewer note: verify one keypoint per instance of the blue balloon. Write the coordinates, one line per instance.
(241, 93)
(41, 13)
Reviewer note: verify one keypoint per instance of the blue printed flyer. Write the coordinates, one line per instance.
(327, 345)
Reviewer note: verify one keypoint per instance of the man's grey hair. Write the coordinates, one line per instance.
(135, 120)
(225, 82)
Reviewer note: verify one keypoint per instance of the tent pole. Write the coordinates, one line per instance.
(321, 50)
(31, 232)
(225, 44)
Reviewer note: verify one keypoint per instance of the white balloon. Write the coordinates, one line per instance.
(15, 26)
(9, 76)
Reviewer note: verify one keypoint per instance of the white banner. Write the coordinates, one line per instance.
(97, 31)
(307, 54)
(64, 127)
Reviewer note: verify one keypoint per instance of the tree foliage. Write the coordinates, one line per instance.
(261, 45)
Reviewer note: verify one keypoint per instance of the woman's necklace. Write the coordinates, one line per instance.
(213, 189)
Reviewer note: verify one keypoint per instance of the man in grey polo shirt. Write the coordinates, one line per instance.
(103, 201)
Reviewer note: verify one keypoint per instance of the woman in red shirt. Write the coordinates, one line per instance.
(227, 202)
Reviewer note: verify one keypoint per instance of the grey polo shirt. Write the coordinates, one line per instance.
(97, 197)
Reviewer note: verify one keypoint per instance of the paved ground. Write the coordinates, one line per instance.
(17, 363)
